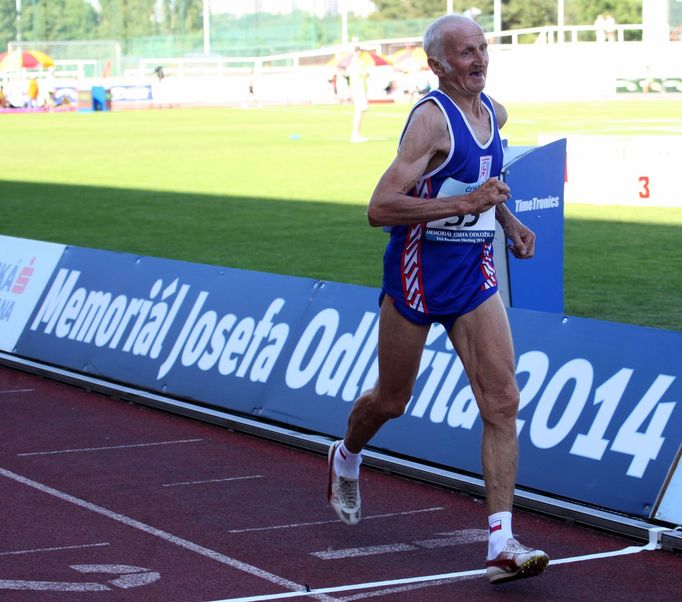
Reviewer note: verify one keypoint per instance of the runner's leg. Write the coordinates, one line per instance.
(483, 342)
(400, 348)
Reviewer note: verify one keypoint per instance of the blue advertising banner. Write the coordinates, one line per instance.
(201, 332)
(599, 420)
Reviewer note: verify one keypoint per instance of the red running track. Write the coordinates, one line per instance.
(109, 501)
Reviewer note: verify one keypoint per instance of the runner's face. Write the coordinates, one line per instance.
(466, 60)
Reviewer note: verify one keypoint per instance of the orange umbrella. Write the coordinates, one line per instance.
(410, 58)
(24, 59)
(367, 57)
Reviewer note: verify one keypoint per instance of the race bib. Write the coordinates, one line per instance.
(461, 228)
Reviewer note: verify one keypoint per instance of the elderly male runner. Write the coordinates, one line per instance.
(441, 196)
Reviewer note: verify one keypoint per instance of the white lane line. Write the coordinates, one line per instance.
(165, 536)
(253, 476)
(356, 586)
(402, 588)
(329, 522)
(652, 545)
(89, 449)
(86, 545)
(10, 391)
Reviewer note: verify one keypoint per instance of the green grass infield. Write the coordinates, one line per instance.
(281, 189)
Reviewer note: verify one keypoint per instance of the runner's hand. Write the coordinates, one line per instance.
(491, 192)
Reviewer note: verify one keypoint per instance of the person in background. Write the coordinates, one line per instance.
(4, 103)
(33, 92)
(357, 75)
(440, 197)
(610, 28)
(600, 27)
(159, 91)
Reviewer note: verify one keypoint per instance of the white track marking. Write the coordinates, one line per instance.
(116, 569)
(652, 545)
(368, 551)
(402, 588)
(131, 576)
(254, 476)
(336, 520)
(455, 538)
(169, 537)
(89, 449)
(356, 586)
(10, 391)
(87, 545)
(52, 586)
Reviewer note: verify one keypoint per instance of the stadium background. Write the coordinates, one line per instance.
(92, 38)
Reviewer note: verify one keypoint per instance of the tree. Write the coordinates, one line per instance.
(517, 14)
(426, 9)
(125, 19)
(8, 23)
(182, 16)
(584, 12)
(408, 9)
(57, 20)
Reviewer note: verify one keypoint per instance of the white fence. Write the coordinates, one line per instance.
(548, 63)
(541, 64)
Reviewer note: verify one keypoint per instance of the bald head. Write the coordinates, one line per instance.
(435, 34)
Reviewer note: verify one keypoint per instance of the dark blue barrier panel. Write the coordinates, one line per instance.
(536, 179)
(599, 419)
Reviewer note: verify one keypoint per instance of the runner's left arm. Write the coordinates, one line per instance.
(522, 238)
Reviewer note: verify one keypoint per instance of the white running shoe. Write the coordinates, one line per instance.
(516, 561)
(342, 493)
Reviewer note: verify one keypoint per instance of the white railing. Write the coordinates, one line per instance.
(217, 66)
(555, 34)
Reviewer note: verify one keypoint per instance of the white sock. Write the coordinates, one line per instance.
(347, 464)
(499, 531)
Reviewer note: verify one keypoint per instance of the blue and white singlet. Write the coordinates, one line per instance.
(445, 267)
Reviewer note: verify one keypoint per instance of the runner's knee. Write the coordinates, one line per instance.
(393, 406)
(500, 408)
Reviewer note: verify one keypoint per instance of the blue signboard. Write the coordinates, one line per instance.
(536, 180)
(200, 332)
(599, 419)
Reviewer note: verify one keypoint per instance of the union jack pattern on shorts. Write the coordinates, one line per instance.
(413, 287)
(488, 268)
